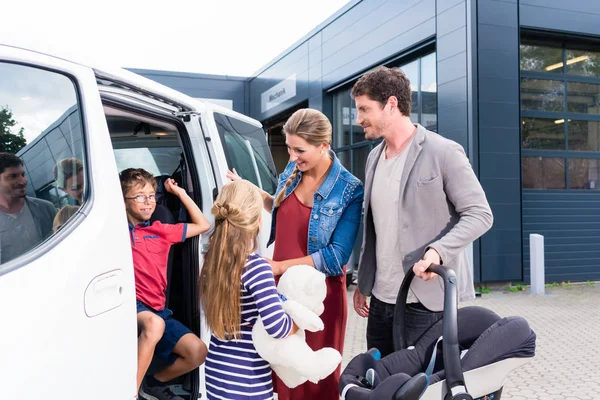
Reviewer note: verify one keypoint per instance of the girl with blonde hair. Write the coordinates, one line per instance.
(316, 215)
(237, 287)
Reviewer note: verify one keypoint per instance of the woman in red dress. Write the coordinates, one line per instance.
(316, 214)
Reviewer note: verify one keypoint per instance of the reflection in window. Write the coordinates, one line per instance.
(584, 135)
(583, 62)
(360, 160)
(543, 133)
(542, 95)
(344, 157)
(156, 160)
(564, 107)
(584, 173)
(583, 98)
(541, 58)
(247, 151)
(41, 137)
(543, 173)
(411, 70)
(344, 118)
(429, 92)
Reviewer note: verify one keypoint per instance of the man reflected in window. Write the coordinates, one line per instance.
(68, 174)
(24, 221)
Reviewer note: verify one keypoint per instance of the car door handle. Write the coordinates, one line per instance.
(104, 293)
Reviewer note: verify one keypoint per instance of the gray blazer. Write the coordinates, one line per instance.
(443, 206)
(43, 213)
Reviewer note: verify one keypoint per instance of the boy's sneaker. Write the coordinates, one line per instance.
(157, 393)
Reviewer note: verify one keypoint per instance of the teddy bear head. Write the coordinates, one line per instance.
(306, 285)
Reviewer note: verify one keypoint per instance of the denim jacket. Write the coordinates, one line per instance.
(334, 219)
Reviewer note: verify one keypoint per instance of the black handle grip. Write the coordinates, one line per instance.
(451, 351)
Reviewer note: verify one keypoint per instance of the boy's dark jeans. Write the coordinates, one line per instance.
(381, 322)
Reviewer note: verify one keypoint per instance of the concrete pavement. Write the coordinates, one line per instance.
(567, 323)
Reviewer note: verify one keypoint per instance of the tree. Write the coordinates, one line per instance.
(10, 142)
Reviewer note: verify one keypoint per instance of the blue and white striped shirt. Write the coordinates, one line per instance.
(234, 370)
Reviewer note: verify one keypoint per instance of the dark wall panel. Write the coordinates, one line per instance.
(570, 224)
(452, 73)
(499, 137)
(581, 16)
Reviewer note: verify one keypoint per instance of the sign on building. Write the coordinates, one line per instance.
(279, 93)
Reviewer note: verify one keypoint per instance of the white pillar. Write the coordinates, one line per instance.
(536, 263)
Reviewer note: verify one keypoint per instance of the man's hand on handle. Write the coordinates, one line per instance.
(431, 257)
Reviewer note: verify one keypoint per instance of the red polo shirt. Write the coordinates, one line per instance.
(150, 245)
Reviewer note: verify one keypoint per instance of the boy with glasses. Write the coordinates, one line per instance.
(159, 334)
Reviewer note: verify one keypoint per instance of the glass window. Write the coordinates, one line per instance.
(358, 132)
(345, 117)
(584, 135)
(583, 62)
(344, 157)
(583, 98)
(547, 98)
(247, 151)
(541, 58)
(542, 94)
(41, 161)
(156, 160)
(543, 173)
(429, 92)
(411, 70)
(360, 155)
(584, 173)
(543, 133)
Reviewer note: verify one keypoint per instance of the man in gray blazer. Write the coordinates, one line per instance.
(24, 221)
(423, 206)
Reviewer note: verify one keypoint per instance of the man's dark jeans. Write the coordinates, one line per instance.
(380, 325)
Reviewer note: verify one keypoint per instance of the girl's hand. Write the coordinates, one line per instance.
(233, 175)
(172, 187)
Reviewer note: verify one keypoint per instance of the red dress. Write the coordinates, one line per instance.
(291, 241)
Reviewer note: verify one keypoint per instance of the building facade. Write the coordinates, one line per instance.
(515, 82)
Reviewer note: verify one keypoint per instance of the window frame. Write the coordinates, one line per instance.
(55, 238)
(565, 78)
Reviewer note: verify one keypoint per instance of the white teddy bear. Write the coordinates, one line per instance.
(304, 290)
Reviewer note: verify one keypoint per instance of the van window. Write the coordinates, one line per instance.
(42, 163)
(247, 151)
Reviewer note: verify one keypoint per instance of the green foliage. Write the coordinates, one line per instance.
(516, 288)
(10, 142)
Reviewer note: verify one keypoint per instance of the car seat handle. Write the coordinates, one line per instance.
(454, 376)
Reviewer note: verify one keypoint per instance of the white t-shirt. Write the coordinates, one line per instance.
(385, 207)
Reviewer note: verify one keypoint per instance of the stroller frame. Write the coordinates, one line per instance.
(479, 383)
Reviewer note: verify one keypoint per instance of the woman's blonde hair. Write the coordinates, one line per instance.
(312, 126)
(237, 213)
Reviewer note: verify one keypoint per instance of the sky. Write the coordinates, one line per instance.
(226, 37)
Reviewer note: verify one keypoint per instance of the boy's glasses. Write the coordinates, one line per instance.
(140, 198)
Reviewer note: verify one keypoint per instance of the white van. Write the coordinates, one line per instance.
(68, 322)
